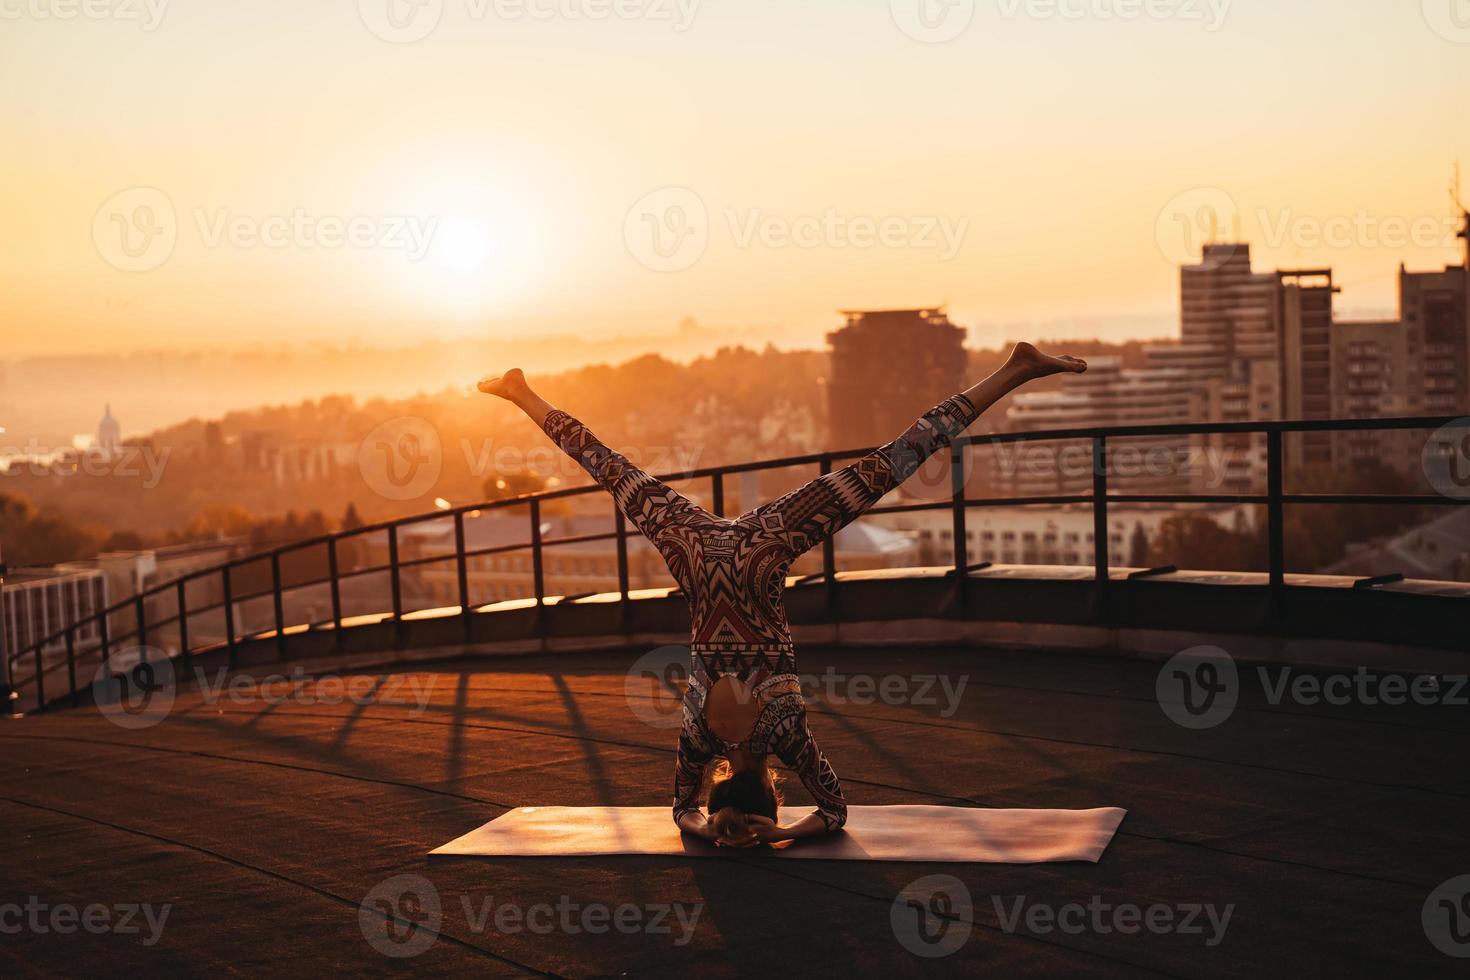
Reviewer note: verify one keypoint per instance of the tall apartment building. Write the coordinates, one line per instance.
(1167, 390)
(1276, 331)
(1418, 364)
(888, 367)
(1304, 331)
(1434, 308)
(1370, 379)
(1226, 306)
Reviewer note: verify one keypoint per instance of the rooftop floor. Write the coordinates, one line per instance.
(1322, 830)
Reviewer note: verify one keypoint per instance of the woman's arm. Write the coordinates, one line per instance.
(694, 822)
(694, 756)
(797, 748)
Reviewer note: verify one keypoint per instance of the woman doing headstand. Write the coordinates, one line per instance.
(744, 700)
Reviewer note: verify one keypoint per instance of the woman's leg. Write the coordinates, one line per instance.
(811, 514)
(1026, 363)
(513, 388)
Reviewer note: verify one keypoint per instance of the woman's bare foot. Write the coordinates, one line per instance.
(511, 385)
(1034, 364)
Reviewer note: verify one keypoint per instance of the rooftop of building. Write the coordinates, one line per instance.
(263, 827)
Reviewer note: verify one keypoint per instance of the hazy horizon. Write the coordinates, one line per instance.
(58, 397)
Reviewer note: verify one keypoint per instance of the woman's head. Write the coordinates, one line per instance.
(735, 797)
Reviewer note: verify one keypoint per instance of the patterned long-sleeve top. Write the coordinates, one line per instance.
(732, 573)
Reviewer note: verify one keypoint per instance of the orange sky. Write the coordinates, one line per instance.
(217, 174)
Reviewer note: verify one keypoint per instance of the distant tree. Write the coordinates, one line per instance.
(123, 541)
(1318, 535)
(31, 537)
(292, 527)
(215, 522)
(1138, 547)
(214, 443)
(1197, 541)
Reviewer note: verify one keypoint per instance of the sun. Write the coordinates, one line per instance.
(463, 245)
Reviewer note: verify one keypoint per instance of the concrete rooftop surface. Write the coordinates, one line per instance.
(245, 835)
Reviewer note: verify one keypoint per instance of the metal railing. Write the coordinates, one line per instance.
(1275, 499)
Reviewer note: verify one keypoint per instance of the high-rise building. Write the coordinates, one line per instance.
(1435, 310)
(1304, 330)
(1370, 372)
(888, 367)
(1224, 305)
(1418, 364)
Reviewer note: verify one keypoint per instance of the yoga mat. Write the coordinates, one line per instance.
(873, 833)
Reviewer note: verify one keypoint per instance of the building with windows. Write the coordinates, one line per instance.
(40, 601)
(889, 367)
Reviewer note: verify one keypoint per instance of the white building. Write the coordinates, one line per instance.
(40, 601)
(1039, 536)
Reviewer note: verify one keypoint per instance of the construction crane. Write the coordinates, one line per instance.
(1462, 213)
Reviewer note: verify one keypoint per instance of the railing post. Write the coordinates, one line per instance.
(622, 542)
(1275, 523)
(40, 680)
(461, 569)
(71, 666)
(278, 605)
(229, 607)
(961, 536)
(183, 604)
(1100, 542)
(394, 581)
(141, 615)
(719, 494)
(104, 635)
(7, 689)
(829, 553)
(537, 573)
(334, 577)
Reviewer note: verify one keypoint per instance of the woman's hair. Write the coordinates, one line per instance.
(734, 797)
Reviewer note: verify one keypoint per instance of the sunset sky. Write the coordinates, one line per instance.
(1031, 169)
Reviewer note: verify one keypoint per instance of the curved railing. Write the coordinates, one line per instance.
(1099, 498)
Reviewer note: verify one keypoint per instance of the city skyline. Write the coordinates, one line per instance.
(473, 216)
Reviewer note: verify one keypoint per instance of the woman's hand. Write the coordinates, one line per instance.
(695, 823)
(767, 831)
